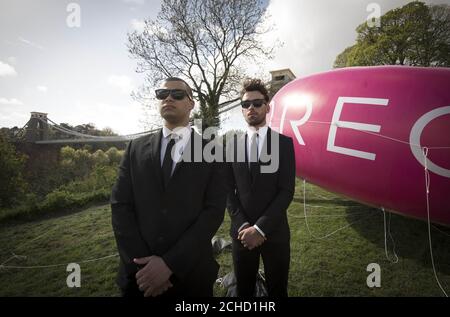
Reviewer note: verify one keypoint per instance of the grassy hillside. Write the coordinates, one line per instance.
(330, 259)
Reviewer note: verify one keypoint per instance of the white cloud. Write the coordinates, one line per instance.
(7, 70)
(32, 44)
(123, 118)
(12, 60)
(138, 25)
(10, 118)
(42, 89)
(11, 102)
(124, 83)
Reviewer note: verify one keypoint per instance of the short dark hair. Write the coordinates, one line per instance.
(253, 84)
(188, 88)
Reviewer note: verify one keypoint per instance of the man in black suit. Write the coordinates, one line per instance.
(166, 208)
(259, 197)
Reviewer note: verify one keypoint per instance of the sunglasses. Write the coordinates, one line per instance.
(256, 103)
(177, 94)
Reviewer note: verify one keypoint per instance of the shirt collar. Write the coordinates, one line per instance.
(262, 131)
(178, 132)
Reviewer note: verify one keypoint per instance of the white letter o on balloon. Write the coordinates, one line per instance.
(414, 140)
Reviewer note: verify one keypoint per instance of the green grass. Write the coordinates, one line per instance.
(332, 266)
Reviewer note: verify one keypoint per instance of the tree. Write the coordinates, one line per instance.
(114, 155)
(100, 158)
(202, 41)
(415, 35)
(107, 131)
(76, 163)
(12, 183)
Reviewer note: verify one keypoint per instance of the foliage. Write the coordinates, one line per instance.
(82, 178)
(12, 183)
(415, 35)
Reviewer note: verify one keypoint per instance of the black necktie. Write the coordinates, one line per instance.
(168, 162)
(254, 166)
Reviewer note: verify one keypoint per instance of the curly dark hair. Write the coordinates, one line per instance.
(253, 84)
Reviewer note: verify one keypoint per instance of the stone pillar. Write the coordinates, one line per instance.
(37, 128)
(279, 79)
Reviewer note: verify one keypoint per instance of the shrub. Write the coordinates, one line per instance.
(12, 183)
(91, 185)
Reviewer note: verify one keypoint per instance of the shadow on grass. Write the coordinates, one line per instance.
(334, 201)
(410, 237)
(42, 216)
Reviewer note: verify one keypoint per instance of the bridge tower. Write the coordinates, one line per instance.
(37, 128)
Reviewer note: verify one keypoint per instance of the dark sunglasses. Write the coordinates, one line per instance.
(256, 103)
(177, 94)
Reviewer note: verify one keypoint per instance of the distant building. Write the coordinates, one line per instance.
(279, 79)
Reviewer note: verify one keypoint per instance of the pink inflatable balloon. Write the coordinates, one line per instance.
(369, 132)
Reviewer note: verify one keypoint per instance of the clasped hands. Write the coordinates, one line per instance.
(153, 278)
(250, 237)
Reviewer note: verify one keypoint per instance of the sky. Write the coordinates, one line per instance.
(84, 73)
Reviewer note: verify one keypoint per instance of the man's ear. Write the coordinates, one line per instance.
(268, 108)
(192, 105)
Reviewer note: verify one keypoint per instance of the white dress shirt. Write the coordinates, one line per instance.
(181, 135)
(262, 133)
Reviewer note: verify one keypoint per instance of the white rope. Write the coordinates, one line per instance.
(321, 207)
(441, 231)
(328, 234)
(427, 189)
(2, 266)
(387, 229)
(14, 256)
(328, 216)
(427, 193)
(24, 244)
(335, 231)
(383, 136)
(323, 197)
(34, 239)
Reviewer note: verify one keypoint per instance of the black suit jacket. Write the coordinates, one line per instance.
(176, 223)
(262, 200)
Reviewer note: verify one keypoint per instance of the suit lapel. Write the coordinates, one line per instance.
(155, 156)
(266, 151)
(188, 153)
(242, 167)
(264, 157)
(254, 174)
(181, 162)
(154, 148)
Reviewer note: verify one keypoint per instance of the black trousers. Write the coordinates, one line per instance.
(276, 258)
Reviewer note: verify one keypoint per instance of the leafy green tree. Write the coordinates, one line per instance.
(100, 158)
(415, 35)
(78, 163)
(12, 183)
(114, 155)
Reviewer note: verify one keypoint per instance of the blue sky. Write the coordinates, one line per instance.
(85, 74)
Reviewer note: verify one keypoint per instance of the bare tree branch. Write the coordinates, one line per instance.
(202, 41)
